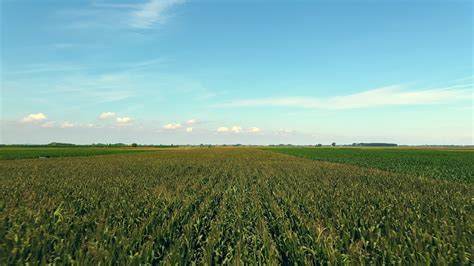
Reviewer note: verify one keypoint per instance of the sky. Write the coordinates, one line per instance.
(229, 71)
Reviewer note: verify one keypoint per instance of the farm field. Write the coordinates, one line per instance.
(230, 205)
(13, 153)
(449, 164)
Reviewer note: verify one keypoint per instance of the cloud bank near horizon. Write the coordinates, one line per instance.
(380, 97)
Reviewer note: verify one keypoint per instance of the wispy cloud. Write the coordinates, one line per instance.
(111, 96)
(464, 78)
(284, 132)
(144, 15)
(119, 68)
(85, 89)
(152, 12)
(73, 46)
(42, 68)
(142, 64)
(386, 96)
(77, 88)
(67, 124)
(49, 124)
(191, 121)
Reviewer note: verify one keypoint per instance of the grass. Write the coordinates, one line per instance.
(434, 163)
(13, 153)
(227, 206)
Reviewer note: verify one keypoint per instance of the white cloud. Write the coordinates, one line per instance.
(284, 132)
(191, 121)
(107, 115)
(67, 124)
(386, 96)
(189, 129)
(32, 118)
(253, 130)
(236, 129)
(123, 120)
(152, 12)
(90, 125)
(222, 129)
(172, 126)
(49, 124)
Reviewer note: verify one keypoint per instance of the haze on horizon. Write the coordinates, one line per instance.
(250, 72)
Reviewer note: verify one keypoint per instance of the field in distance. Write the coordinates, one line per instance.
(452, 164)
(14, 153)
(229, 205)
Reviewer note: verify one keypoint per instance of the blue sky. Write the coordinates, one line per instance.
(252, 72)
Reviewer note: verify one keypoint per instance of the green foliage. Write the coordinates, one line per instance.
(227, 206)
(11, 153)
(435, 163)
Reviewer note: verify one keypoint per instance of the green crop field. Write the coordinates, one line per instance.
(434, 163)
(237, 206)
(12, 153)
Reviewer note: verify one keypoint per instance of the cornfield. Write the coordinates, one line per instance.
(228, 206)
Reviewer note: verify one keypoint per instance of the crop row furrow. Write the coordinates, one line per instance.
(169, 232)
(222, 236)
(286, 240)
(191, 243)
(190, 246)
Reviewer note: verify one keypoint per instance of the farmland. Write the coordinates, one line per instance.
(13, 153)
(231, 205)
(435, 163)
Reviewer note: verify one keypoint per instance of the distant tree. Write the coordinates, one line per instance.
(377, 144)
(59, 144)
(134, 145)
(319, 145)
(333, 144)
